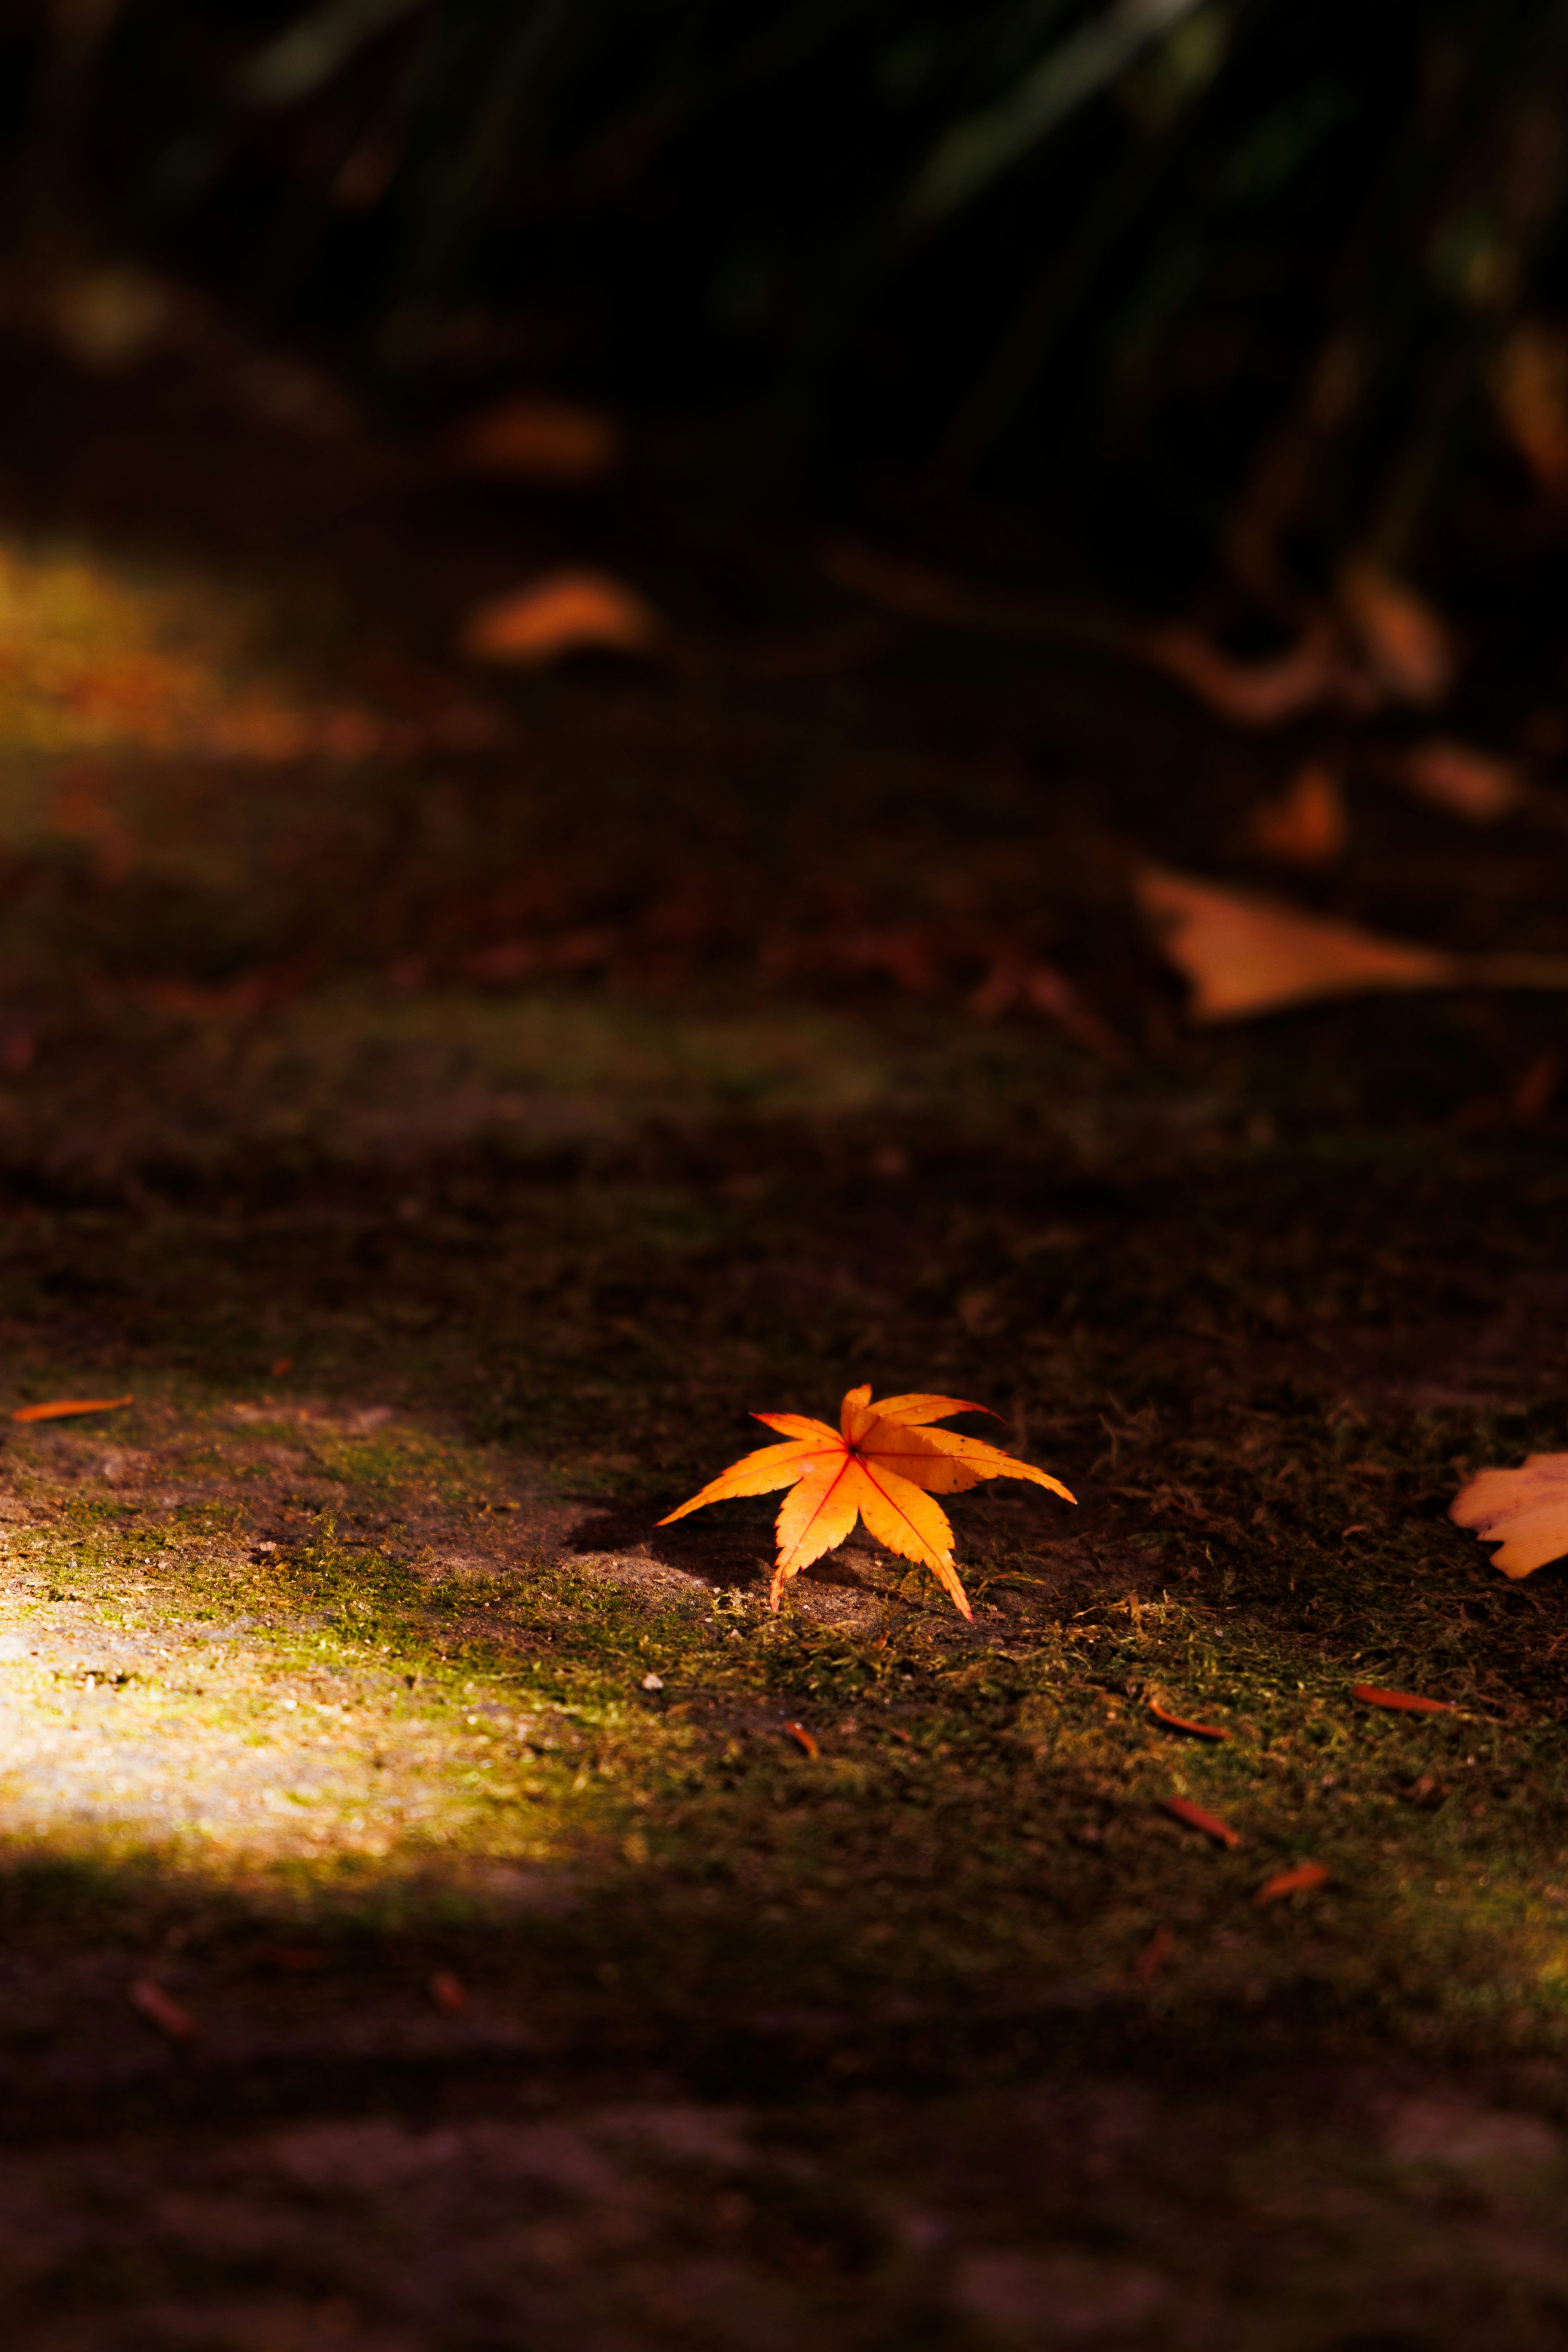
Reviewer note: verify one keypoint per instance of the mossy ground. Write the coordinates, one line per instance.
(546, 1989)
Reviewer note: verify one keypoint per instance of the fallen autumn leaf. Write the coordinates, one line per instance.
(532, 439)
(1180, 1723)
(1399, 1702)
(1310, 826)
(564, 612)
(1245, 954)
(1301, 1878)
(1473, 785)
(1409, 646)
(882, 1464)
(1527, 1508)
(60, 1407)
(150, 2001)
(802, 1739)
(1193, 1817)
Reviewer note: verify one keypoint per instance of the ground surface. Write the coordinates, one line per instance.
(445, 1109)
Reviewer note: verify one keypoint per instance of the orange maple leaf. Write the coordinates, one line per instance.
(882, 1464)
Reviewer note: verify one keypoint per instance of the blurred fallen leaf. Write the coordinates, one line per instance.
(1530, 1095)
(150, 2001)
(534, 440)
(1182, 1809)
(882, 1464)
(1527, 1508)
(1310, 827)
(1478, 785)
(60, 1407)
(1301, 1878)
(1409, 646)
(564, 613)
(447, 1992)
(1399, 1702)
(1244, 954)
(1180, 1723)
(1313, 671)
(284, 1364)
(802, 1739)
(292, 1959)
(1156, 1953)
(1530, 392)
(1016, 981)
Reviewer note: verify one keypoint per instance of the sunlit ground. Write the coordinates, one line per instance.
(536, 1980)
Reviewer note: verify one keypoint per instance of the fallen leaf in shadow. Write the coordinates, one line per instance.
(1399, 1702)
(1180, 1723)
(1301, 1878)
(61, 1407)
(564, 613)
(1477, 785)
(1409, 646)
(1246, 955)
(1193, 1817)
(150, 2001)
(533, 439)
(1527, 1508)
(1310, 827)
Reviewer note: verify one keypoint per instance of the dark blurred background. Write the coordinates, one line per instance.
(1197, 290)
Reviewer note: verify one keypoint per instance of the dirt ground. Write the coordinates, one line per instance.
(444, 1106)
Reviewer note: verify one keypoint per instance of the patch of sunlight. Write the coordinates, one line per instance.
(168, 1689)
(97, 657)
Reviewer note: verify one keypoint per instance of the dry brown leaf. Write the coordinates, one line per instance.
(1301, 1878)
(1527, 1508)
(1255, 694)
(1180, 1723)
(150, 2001)
(1310, 827)
(1193, 1817)
(448, 1993)
(1474, 785)
(533, 439)
(1399, 1702)
(564, 613)
(1409, 648)
(60, 1407)
(1530, 1095)
(882, 1464)
(805, 1740)
(1529, 391)
(1156, 1954)
(1245, 954)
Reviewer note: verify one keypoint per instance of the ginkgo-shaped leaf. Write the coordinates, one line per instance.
(882, 1464)
(1526, 1509)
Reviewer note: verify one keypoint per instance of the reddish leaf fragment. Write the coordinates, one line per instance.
(1301, 1878)
(1180, 1723)
(292, 1959)
(1182, 1809)
(802, 1739)
(1159, 1949)
(151, 2001)
(448, 1993)
(1401, 1702)
(284, 1364)
(564, 613)
(59, 1407)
